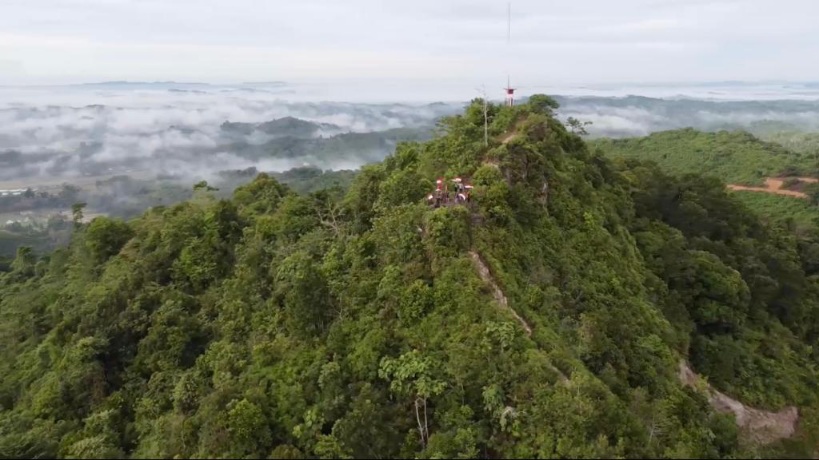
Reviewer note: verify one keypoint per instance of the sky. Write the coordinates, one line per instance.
(447, 41)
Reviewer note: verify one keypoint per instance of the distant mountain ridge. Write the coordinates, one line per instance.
(286, 126)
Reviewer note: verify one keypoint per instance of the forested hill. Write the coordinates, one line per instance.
(740, 159)
(546, 318)
(733, 156)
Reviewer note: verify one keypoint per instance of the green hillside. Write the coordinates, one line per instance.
(733, 156)
(546, 318)
(780, 208)
(795, 141)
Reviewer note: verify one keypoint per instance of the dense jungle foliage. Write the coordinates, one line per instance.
(357, 325)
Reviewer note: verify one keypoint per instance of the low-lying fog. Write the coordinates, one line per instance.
(194, 130)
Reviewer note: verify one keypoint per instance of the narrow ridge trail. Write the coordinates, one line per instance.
(486, 276)
(764, 427)
(508, 136)
(500, 297)
(505, 139)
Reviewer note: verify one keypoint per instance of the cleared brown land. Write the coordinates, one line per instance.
(774, 185)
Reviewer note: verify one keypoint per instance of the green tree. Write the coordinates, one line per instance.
(412, 375)
(76, 212)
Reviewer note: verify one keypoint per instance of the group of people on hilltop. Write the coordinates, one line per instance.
(462, 193)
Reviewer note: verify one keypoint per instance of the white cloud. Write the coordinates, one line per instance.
(73, 130)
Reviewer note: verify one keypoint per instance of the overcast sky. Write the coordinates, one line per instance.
(554, 41)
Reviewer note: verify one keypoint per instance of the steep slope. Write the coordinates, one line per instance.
(763, 426)
(500, 297)
(547, 319)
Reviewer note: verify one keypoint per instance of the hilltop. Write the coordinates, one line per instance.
(562, 312)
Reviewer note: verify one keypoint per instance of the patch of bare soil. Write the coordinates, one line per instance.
(508, 137)
(772, 185)
(763, 427)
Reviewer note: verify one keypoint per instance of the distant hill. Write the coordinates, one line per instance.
(287, 126)
(638, 115)
(144, 85)
(732, 156)
(265, 83)
(797, 141)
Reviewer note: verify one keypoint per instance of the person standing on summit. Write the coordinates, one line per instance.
(458, 185)
(439, 190)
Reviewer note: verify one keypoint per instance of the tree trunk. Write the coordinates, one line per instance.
(420, 425)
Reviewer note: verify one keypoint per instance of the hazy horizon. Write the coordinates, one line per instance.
(602, 83)
(557, 43)
(407, 91)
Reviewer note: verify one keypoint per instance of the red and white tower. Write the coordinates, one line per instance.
(510, 92)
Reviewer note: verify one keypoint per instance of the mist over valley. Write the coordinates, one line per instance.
(122, 147)
(192, 131)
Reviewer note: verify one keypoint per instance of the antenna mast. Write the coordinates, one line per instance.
(510, 92)
(485, 118)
